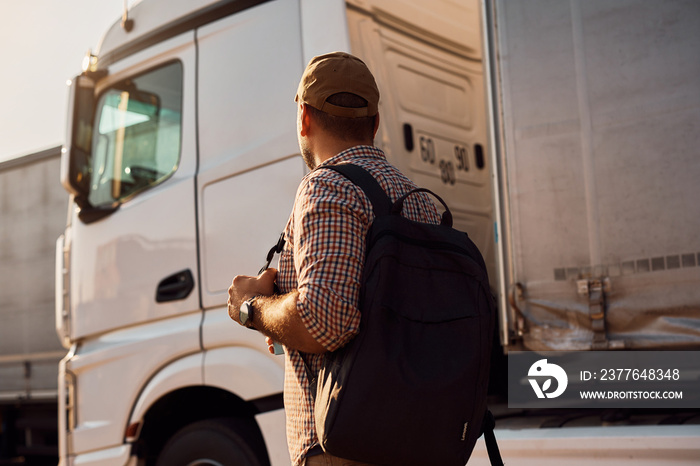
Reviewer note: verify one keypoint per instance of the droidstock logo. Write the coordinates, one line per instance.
(541, 369)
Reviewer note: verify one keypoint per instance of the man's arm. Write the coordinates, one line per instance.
(275, 316)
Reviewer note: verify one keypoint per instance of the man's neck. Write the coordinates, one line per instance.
(331, 148)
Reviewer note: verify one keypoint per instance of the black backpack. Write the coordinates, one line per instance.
(410, 389)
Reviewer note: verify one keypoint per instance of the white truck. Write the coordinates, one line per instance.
(32, 213)
(561, 134)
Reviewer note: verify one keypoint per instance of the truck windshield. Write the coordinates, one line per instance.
(137, 138)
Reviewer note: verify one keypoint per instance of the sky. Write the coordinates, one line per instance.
(42, 45)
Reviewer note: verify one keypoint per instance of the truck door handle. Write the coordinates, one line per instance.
(175, 287)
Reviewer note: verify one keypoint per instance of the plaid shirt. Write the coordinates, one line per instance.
(323, 259)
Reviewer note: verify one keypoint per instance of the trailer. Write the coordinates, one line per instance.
(594, 110)
(33, 208)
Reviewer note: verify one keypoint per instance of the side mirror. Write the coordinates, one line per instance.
(76, 153)
(140, 102)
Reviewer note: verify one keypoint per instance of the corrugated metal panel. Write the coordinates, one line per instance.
(601, 111)
(33, 208)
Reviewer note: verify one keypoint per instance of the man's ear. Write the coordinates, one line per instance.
(376, 125)
(305, 120)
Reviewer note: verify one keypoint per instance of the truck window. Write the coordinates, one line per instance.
(138, 124)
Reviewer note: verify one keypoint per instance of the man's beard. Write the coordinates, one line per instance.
(308, 158)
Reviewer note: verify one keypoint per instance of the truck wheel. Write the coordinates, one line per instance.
(216, 442)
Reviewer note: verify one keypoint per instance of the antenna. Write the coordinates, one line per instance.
(127, 23)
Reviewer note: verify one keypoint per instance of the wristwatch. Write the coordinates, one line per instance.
(246, 312)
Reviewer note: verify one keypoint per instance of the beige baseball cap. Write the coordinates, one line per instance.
(336, 72)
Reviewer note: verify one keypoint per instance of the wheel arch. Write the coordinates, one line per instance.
(206, 385)
(187, 405)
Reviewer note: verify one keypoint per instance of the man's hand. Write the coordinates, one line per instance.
(244, 287)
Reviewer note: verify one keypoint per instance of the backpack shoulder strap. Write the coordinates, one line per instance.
(381, 203)
(487, 427)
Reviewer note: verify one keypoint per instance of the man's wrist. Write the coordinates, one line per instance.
(246, 313)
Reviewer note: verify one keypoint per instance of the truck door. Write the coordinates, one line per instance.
(250, 166)
(139, 263)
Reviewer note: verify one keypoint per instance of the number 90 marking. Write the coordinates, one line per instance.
(462, 157)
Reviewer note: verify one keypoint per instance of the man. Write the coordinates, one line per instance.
(321, 265)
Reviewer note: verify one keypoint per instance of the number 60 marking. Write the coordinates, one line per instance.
(427, 150)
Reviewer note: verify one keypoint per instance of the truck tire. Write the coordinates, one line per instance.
(214, 442)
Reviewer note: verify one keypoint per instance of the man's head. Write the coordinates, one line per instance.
(338, 73)
(340, 95)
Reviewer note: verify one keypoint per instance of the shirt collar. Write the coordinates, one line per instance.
(354, 153)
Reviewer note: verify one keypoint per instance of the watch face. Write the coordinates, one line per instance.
(244, 313)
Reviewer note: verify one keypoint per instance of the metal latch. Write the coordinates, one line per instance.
(595, 290)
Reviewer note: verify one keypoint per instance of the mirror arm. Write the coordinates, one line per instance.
(97, 74)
